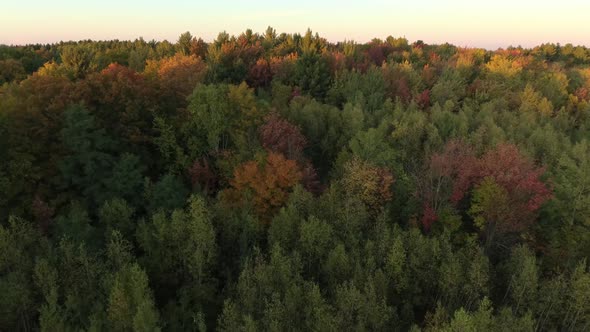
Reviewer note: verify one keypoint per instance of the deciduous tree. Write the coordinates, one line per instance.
(269, 183)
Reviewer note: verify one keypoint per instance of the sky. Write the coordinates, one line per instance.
(469, 23)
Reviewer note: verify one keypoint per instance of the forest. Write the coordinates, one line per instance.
(281, 182)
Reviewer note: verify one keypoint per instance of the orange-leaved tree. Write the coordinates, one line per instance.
(280, 136)
(266, 185)
(178, 75)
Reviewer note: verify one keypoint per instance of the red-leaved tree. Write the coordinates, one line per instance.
(453, 173)
(281, 136)
(260, 74)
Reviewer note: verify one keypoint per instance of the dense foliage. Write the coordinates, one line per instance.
(285, 183)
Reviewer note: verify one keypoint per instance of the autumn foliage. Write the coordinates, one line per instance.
(280, 136)
(269, 183)
(121, 97)
(280, 182)
(372, 185)
(456, 170)
(260, 74)
(178, 74)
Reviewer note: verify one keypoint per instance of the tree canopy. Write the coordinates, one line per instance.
(282, 182)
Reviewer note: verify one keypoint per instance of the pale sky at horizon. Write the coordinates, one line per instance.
(492, 24)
